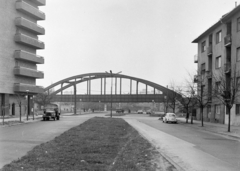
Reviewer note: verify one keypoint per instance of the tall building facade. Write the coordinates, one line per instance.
(18, 59)
(219, 50)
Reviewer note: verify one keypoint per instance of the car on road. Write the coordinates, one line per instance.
(170, 117)
(51, 112)
(140, 112)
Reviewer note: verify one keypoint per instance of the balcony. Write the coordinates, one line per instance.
(209, 50)
(39, 2)
(30, 57)
(195, 58)
(227, 67)
(22, 88)
(195, 79)
(209, 74)
(228, 40)
(27, 72)
(29, 10)
(27, 40)
(30, 26)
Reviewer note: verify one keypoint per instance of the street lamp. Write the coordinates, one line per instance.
(153, 105)
(165, 108)
(80, 105)
(27, 104)
(111, 87)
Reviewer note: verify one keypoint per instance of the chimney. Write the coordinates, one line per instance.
(235, 3)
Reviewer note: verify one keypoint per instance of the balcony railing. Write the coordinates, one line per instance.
(195, 58)
(30, 10)
(22, 88)
(227, 67)
(209, 50)
(209, 74)
(27, 40)
(228, 40)
(27, 72)
(39, 2)
(29, 25)
(30, 57)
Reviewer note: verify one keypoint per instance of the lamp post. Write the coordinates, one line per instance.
(32, 106)
(153, 105)
(80, 105)
(165, 106)
(111, 87)
(27, 104)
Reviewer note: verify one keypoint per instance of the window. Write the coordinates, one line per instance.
(203, 46)
(238, 54)
(218, 62)
(237, 109)
(218, 37)
(238, 24)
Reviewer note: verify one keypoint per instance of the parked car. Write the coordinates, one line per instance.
(170, 117)
(140, 111)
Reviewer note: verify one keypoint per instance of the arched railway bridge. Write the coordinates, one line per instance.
(159, 92)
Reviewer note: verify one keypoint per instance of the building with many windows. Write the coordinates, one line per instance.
(18, 47)
(219, 50)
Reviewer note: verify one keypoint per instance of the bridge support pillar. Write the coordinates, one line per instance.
(75, 99)
(105, 107)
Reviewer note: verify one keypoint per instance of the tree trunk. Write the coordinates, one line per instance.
(20, 106)
(187, 116)
(201, 110)
(192, 118)
(229, 118)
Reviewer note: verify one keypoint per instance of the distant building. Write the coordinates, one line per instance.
(18, 59)
(219, 48)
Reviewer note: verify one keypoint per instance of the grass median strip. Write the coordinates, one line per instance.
(97, 144)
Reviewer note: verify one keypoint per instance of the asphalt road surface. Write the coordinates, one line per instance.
(15, 141)
(223, 148)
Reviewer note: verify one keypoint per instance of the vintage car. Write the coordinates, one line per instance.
(51, 112)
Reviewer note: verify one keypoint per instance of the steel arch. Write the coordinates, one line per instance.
(91, 76)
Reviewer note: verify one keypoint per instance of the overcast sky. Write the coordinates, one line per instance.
(148, 39)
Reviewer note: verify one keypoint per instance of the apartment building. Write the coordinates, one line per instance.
(19, 43)
(219, 51)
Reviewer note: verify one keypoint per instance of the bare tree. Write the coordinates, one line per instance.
(43, 98)
(226, 89)
(203, 95)
(186, 99)
(19, 100)
(172, 97)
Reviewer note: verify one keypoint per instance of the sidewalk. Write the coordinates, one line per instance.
(10, 121)
(213, 127)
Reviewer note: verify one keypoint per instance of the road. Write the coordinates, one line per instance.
(16, 140)
(193, 148)
(188, 142)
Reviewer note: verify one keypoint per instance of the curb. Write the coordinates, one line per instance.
(22, 122)
(216, 132)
